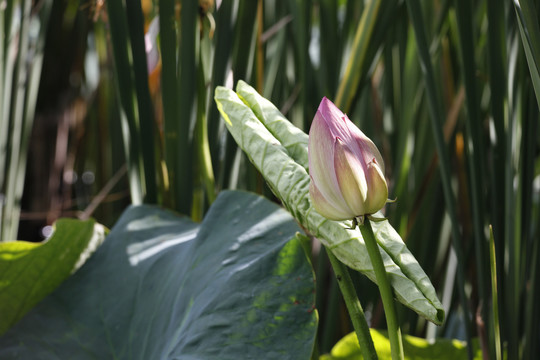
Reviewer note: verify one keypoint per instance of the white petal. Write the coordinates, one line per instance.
(351, 177)
(321, 160)
(378, 189)
(325, 208)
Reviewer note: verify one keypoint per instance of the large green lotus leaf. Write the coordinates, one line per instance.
(279, 151)
(162, 287)
(30, 271)
(414, 348)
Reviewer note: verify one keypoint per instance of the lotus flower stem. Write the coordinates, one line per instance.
(394, 332)
(354, 307)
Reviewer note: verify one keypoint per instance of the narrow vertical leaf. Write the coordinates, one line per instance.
(417, 20)
(497, 84)
(144, 104)
(529, 28)
(357, 60)
(169, 88)
(474, 147)
(494, 297)
(181, 172)
(127, 93)
(223, 36)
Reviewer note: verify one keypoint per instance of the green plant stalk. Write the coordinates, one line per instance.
(29, 106)
(331, 309)
(201, 133)
(326, 300)
(394, 331)
(494, 295)
(10, 222)
(9, 65)
(354, 307)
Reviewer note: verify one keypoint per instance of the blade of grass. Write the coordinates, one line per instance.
(497, 67)
(127, 94)
(511, 211)
(36, 44)
(474, 146)
(241, 60)
(330, 46)
(353, 9)
(259, 52)
(497, 58)
(529, 249)
(532, 327)
(416, 16)
(8, 19)
(16, 129)
(358, 57)
(494, 297)
(3, 118)
(223, 41)
(145, 111)
(529, 30)
(169, 89)
(406, 71)
(181, 175)
(112, 154)
(201, 135)
(277, 47)
(8, 61)
(243, 40)
(301, 23)
(519, 241)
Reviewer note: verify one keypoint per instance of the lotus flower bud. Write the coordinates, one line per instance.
(345, 167)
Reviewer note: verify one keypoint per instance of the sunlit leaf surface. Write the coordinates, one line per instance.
(30, 271)
(163, 287)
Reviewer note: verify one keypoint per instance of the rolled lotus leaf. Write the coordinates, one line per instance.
(278, 149)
